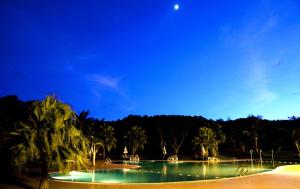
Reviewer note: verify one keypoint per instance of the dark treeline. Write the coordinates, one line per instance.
(181, 135)
(242, 135)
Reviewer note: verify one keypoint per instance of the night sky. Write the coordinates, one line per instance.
(218, 59)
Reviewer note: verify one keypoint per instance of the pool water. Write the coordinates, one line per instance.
(157, 171)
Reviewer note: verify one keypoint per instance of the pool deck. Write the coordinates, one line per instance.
(285, 177)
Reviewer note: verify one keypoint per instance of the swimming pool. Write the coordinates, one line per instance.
(157, 172)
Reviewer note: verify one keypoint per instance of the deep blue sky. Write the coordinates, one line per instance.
(218, 59)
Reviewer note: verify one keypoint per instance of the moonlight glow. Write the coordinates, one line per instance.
(176, 6)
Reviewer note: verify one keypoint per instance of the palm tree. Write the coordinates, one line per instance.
(83, 120)
(50, 137)
(136, 139)
(107, 136)
(95, 145)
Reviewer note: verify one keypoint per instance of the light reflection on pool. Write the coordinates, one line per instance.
(156, 172)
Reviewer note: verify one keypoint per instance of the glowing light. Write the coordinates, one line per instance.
(176, 6)
(71, 176)
(204, 171)
(110, 181)
(75, 173)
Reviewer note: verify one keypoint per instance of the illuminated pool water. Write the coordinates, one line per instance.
(156, 172)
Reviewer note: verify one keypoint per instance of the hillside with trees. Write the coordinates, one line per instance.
(35, 131)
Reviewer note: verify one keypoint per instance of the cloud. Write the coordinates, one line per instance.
(259, 78)
(109, 82)
(296, 93)
(258, 82)
(110, 95)
(250, 40)
(256, 31)
(78, 64)
(269, 24)
(277, 64)
(97, 94)
(265, 96)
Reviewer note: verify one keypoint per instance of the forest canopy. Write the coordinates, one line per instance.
(180, 135)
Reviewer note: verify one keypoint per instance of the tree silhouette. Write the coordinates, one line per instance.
(107, 137)
(90, 129)
(136, 139)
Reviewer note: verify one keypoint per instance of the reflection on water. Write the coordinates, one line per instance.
(204, 171)
(93, 175)
(164, 169)
(151, 172)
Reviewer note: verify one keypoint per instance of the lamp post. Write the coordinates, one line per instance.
(260, 158)
(251, 152)
(273, 157)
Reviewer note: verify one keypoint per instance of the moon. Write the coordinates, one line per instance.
(176, 6)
